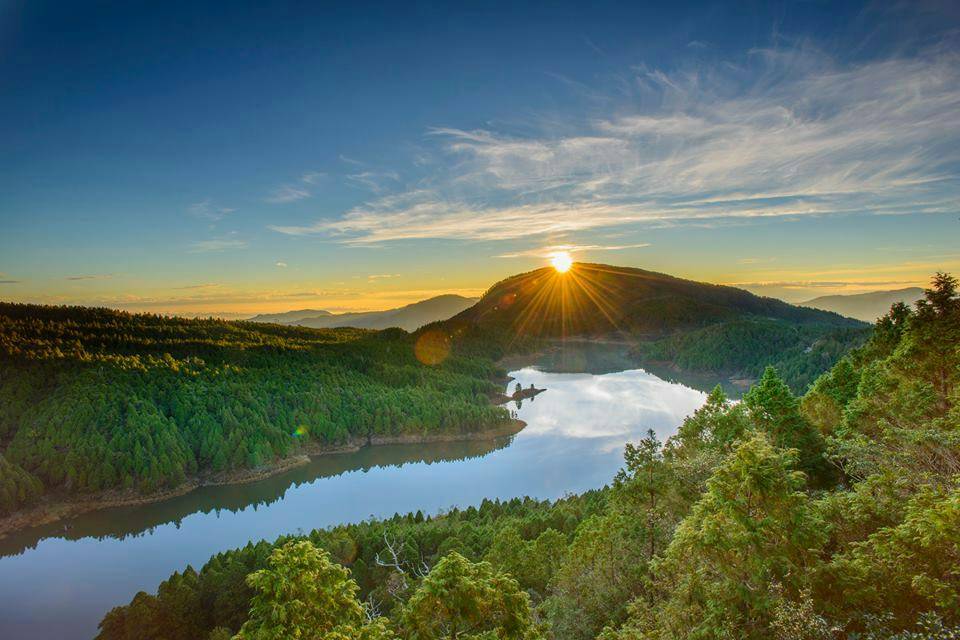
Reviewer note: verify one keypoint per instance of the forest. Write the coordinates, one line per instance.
(747, 346)
(831, 515)
(95, 399)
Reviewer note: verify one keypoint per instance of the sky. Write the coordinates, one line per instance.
(234, 158)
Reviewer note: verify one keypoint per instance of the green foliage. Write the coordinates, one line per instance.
(92, 399)
(532, 562)
(753, 527)
(462, 599)
(302, 595)
(717, 425)
(18, 488)
(908, 567)
(824, 402)
(745, 347)
(775, 410)
(224, 597)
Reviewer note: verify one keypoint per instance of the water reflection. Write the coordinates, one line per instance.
(121, 522)
(59, 585)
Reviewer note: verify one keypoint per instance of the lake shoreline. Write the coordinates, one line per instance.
(58, 508)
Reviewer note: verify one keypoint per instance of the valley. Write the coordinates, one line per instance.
(480, 321)
(423, 432)
(563, 432)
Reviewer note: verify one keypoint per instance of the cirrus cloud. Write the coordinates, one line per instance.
(779, 133)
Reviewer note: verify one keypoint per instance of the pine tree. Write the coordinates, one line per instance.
(775, 410)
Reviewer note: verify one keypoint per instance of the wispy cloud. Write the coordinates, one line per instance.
(778, 133)
(205, 285)
(10, 281)
(375, 181)
(287, 193)
(102, 276)
(382, 276)
(216, 245)
(207, 210)
(298, 191)
(352, 161)
(281, 264)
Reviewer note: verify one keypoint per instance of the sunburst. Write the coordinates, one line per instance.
(561, 261)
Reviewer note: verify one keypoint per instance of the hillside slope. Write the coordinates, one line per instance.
(689, 326)
(865, 306)
(595, 299)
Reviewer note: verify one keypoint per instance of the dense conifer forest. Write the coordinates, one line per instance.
(833, 515)
(94, 399)
(746, 347)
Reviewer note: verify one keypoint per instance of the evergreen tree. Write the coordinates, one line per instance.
(302, 595)
(753, 528)
(461, 600)
(775, 410)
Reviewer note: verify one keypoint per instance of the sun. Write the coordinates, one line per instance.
(561, 261)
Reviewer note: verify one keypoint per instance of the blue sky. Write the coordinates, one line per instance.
(236, 158)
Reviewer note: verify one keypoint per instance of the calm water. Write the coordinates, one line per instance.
(58, 583)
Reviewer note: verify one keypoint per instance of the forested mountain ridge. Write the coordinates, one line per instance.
(593, 299)
(834, 516)
(689, 325)
(95, 399)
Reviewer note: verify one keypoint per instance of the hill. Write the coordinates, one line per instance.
(96, 400)
(289, 317)
(865, 306)
(598, 299)
(690, 326)
(410, 317)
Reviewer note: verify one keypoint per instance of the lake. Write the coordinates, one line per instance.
(59, 580)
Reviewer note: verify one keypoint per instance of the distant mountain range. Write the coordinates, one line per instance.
(289, 317)
(865, 306)
(410, 317)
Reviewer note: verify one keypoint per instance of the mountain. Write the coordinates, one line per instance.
(410, 317)
(865, 306)
(597, 299)
(688, 326)
(289, 317)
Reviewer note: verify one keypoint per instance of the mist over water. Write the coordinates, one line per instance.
(58, 582)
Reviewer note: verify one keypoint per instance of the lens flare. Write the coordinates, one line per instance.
(561, 261)
(432, 347)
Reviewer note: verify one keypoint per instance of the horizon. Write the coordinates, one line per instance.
(561, 262)
(188, 161)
